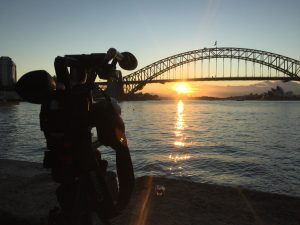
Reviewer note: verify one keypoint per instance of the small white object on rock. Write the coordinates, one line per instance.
(160, 190)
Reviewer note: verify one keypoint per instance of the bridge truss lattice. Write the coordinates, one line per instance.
(288, 67)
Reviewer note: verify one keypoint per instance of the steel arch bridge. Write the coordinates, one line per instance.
(288, 68)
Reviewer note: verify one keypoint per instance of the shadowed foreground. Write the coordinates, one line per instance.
(27, 193)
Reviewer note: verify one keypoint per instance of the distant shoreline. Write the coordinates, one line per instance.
(13, 97)
(9, 96)
(274, 94)
(248, 98)
(209, 98)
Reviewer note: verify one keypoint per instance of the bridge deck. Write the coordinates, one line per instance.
(162, 81)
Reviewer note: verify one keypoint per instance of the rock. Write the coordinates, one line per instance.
(27, 193)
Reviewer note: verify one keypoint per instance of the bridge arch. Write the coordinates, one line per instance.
(288, 66)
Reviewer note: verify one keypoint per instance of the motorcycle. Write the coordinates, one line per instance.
(68, 114)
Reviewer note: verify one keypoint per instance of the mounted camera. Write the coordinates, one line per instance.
(68, 113)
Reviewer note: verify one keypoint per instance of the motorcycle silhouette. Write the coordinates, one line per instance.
(68, 114)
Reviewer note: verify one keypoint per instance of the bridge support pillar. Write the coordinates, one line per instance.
(115, 87)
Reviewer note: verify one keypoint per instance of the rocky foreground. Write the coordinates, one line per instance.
(27, 193)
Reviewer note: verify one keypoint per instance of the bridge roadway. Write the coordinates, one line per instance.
(163, 81)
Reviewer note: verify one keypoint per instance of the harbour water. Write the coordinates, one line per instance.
(253, 144)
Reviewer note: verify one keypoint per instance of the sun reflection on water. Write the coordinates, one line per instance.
(176, 158)
(180, 107)
(179, 126)
(179, 143)
(179, 154)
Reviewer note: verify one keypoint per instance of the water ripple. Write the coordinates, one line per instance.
(254, 144)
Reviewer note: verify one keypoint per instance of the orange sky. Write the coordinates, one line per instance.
(219, 89)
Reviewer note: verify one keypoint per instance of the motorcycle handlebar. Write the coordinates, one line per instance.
(126, 60)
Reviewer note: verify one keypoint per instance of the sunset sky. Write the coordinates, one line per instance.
(34, 32)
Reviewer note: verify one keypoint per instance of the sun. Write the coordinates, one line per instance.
(182, 88)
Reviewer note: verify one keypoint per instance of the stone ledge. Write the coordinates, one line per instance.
(27, 193)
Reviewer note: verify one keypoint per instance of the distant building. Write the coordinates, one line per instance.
(8, 72)
(279, 93)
